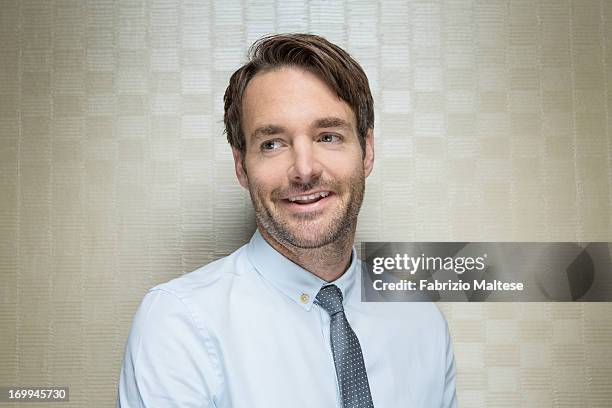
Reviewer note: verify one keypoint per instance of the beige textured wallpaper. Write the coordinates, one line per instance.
(492, 124)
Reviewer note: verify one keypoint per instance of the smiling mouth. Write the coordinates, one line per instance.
(308, 198)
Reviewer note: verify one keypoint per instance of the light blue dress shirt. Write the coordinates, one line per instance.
(243, 332)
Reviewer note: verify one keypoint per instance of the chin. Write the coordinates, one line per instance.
(310, 237)
(306, 230)
(308, 242)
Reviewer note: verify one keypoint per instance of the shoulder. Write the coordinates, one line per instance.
(182, 305)
(432, 316)
(204, 289)
(209, 277)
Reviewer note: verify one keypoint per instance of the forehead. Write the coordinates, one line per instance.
(290, 97)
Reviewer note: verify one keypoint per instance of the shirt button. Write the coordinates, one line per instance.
(304, 298)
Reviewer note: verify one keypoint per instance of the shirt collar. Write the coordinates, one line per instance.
(291, 279)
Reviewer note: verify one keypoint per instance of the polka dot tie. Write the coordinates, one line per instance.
(348, 358)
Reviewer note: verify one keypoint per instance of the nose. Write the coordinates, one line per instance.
(305, 167)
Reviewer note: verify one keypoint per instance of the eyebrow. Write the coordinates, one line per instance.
(266, 130)
(322, 123)
(330, 122)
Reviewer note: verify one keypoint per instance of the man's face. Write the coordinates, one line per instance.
(304, 165)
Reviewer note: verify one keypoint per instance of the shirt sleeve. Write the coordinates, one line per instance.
(449, 398)
(168, 361)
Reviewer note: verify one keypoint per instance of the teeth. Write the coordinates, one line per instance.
(321, 194)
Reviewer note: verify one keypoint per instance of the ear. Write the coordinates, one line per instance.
(240, 172)
(368, 158)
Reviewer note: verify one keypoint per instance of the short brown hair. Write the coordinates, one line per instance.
(330, 63)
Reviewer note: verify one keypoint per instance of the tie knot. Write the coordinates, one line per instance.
(330, 299)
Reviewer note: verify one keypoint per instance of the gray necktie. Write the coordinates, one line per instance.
(348, 358)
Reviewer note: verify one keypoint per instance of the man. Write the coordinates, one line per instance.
(279, 323)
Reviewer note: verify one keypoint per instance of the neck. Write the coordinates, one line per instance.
(328, 262)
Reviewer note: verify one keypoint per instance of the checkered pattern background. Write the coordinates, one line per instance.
(492, 124)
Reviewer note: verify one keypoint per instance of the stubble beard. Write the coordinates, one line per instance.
(295, 231)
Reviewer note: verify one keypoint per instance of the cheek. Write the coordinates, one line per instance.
(343, 166)
(263, 171)
(265, 179)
